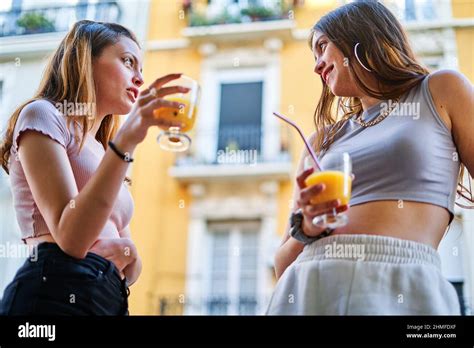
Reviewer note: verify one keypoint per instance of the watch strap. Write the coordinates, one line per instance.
(296, 229)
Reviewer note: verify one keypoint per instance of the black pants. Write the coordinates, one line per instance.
(54, 283)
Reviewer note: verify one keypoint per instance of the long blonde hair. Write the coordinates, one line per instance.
(68, 77)
(385, 49)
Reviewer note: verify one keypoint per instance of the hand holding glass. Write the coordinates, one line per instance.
(174, 138)
(336, 176)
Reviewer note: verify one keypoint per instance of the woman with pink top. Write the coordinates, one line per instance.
(67, 162)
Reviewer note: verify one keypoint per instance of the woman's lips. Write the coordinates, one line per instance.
(326, 74)
(131, 95)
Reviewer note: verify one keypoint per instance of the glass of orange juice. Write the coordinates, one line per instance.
(175, 138)
(336, 176)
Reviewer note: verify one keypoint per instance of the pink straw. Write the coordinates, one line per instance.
(310, 150)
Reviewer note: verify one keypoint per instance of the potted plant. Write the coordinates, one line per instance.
(197, 19)
(35, 22)
(259, 13)
(233, 145)
(225, 18)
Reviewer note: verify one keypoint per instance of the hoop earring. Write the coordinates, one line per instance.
(357, 57)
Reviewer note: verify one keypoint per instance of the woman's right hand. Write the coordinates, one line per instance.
(305, 195)
(135, 128)
(120, 251)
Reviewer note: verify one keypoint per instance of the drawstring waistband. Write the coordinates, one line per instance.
(370, 248)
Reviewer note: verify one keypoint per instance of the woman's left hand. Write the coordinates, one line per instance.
(120, 251)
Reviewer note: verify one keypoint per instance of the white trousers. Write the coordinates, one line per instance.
(364, 275)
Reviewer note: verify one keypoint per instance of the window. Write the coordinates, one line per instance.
(248, 274)
(419, 9)
(451, 250)
(3, 115)
(225, 121)
(240, 120)
(218, 300)
(410, 11)
(427, 10)
(416, 10)
(245, 3)
(234, 266)
(459, 286)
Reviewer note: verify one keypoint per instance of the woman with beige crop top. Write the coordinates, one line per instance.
(406, 172)
(67, 167)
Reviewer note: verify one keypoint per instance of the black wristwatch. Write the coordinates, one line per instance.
(296, 229)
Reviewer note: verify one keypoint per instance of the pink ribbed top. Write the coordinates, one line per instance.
(43, 117)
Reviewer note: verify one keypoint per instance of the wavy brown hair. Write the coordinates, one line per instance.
(68, 77)
(384, 48)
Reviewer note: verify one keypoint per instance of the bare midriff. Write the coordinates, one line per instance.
(420, 222)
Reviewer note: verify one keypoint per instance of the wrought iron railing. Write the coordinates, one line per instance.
(212, 305)
(239, 138)
(238, 144)
(237, 13)
(20, 21)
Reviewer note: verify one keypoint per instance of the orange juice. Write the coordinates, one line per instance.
(183, 115)
(338, 186)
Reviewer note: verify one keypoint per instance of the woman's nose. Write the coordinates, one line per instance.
(319, 67)
(138, 80)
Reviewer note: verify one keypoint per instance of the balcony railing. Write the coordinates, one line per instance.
(238, 145)
(212, 305)
(55, 19)
(234, 12)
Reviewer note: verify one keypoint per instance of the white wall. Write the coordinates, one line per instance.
(21, 78)
(19, 83)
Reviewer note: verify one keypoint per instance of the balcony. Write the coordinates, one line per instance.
(211, 305)
(235, 153)
(417, 15)
(237, 21)
(19, 21)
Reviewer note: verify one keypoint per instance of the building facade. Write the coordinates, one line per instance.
(208, 222)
